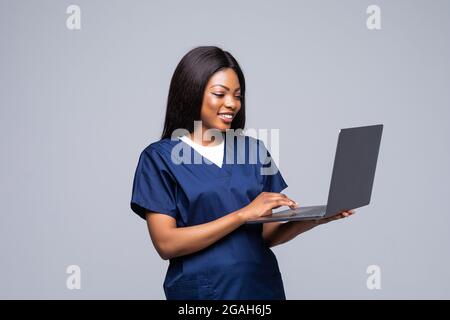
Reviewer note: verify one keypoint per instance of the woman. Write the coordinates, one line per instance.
(196, 211)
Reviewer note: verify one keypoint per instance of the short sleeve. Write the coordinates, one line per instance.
(271, 176)
(154, 188)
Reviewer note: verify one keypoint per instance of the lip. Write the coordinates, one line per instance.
(224, 119)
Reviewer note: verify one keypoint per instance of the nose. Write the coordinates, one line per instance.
(230, 103)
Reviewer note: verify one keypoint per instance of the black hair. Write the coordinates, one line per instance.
(188, 85)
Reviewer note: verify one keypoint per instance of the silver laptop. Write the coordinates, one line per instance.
(351, 185)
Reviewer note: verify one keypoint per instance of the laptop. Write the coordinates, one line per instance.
(351, 184)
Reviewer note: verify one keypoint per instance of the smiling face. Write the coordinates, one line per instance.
(221, 100)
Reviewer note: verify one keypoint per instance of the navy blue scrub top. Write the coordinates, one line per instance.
(238, 266)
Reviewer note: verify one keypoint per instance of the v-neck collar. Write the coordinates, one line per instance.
(213, 153)
(227, 163)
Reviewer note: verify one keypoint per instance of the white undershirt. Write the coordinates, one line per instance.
(213, 153)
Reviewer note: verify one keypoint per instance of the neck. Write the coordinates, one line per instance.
(199, 139)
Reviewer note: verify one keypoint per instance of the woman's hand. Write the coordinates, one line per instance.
(263, 204)
(343, 214)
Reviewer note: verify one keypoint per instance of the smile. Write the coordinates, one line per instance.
(226, 117)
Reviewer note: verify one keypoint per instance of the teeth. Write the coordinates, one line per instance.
(228, 116)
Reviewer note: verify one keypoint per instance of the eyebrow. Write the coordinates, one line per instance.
(225, 87)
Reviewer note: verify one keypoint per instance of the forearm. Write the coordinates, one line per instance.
(187, 240)
(279, 233)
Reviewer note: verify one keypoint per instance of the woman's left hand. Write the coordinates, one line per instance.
(343, 214)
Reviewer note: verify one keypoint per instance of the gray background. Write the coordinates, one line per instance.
(77, 108)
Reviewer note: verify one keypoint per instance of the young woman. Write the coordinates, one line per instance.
(196, 212)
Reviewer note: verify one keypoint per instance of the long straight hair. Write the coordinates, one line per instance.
(188, 85)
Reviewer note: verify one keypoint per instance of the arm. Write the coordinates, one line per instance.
(276, 233)
(171, 241)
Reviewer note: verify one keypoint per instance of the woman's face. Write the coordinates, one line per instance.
(221, 100)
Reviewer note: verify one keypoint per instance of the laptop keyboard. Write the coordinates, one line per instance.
(303, 212)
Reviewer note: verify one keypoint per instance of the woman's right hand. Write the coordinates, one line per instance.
(263, 204)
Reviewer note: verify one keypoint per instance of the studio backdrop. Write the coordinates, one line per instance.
(83, 90)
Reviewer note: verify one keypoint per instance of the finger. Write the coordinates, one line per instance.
(279, 196)
(295, 205)
(291, 203)
(275, 204)
(342, 215)
(346, 213)
(336, 217)
(284, 202)
(349, 212)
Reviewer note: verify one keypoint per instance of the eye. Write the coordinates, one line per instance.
(218, 94)
(239, 97)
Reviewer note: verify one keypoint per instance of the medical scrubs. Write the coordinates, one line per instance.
(238, 266)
